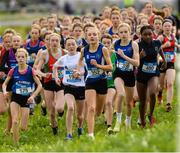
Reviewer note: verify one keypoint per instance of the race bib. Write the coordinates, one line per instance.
(94, 72)
(169, 56)
(60, 72)
(24, 91)
(70, 78)
(149, 67)
(109, 76)
(124, 66)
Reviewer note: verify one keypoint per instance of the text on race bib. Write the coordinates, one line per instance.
(94, 72)
(70, 78)
(149, 67)
(124, 65)
(169, 56)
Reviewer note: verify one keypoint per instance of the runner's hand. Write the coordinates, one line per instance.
(94, 62)
(30, 100)
(76, 74)
(163, 66)
(142, 53)
(167, 44)
(2, 74)
(58, 81)
(121, 53)
(5, 94)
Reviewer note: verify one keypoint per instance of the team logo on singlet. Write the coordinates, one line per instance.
(87, 56)
(97, 56)
(156, 49)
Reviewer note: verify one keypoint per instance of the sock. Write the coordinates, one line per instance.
(139, 120)
(128, 120)
(91, 134)
(118, 115)
(108, 126)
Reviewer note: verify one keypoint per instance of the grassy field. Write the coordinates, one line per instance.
(39, 137)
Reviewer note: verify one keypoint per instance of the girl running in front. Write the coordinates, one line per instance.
(148, 72)
(54, 94)
(168, 45)
(23, 81)
(127, 58)
(74, 85)
(95, 55)
(107, 42)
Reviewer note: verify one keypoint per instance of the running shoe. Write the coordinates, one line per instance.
(31, 108)
(91, 137)
(110, 130)
(133, 103)
(55, 130)
(31, 112)
(68, 137)
(139, 121)
(117, 127)
(80, 131)
(105, 122)
(168, 107)
(43, 111)
(37, 99)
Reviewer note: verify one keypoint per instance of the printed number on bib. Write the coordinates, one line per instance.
(23, 91)
(169, 56)
(60, 72)
(109, 75)
(149, 67)
(70, 78)
(94, 72)
(125, 66)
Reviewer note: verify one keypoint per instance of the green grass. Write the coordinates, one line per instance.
(39, 137)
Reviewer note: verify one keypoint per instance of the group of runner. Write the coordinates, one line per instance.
(92, 64)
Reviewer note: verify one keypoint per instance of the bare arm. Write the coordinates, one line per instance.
(135, 60)
(35, 93)
(4, 86)
(39, 54)
(81, 62)
(41, 62)
(39, 86)
(108, 66)
(162, 55)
